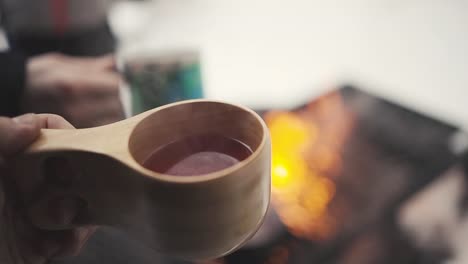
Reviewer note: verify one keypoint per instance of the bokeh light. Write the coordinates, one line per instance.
(306, 150)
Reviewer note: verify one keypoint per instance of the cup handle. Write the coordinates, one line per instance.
(52, 168)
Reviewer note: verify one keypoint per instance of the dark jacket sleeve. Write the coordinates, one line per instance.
(12, 82)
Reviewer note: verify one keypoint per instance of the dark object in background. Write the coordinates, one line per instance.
(95, 41)
(390, 154)
(113, 247)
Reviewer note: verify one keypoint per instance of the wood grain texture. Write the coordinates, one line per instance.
(194, 217)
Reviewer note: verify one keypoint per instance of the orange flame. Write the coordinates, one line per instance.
(305, 150)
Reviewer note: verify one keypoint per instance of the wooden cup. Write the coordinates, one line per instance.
(192, 217)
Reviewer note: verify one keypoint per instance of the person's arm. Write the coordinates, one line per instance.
(85, 90)
(12, 82)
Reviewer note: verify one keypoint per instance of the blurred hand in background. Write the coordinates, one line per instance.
(84, 90)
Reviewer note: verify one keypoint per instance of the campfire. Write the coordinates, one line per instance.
(306, 158)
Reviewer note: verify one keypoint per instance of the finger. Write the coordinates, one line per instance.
(96, 111)
(55, 211)
(105, 62)
(52, 205)
(53, 121)
(74, 243)
(17, 133)
(65, 242)
(96, 84)
(29, 181)
(105, 120)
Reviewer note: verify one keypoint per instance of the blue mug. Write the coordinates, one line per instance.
(166, 78)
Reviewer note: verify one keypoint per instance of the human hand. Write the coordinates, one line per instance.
(83, 90)
(20, 241)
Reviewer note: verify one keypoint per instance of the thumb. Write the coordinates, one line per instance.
(17, 133)
(106, 62)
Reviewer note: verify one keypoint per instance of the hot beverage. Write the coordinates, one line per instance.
(196, 155)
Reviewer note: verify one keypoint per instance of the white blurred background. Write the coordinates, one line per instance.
(280, 54)
(267, 53)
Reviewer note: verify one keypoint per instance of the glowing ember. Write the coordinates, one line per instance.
(305, 150)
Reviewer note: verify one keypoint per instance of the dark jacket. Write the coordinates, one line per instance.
(12, 82)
